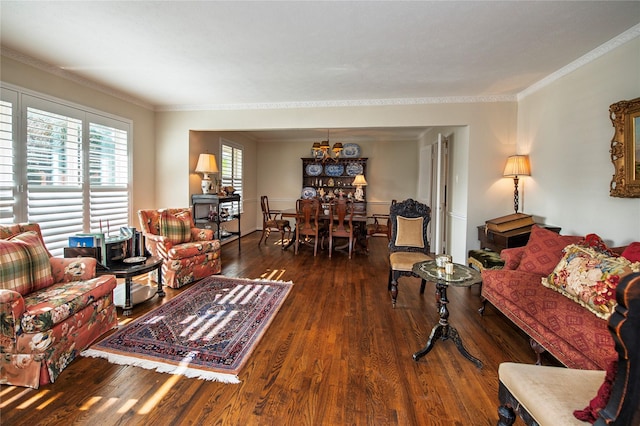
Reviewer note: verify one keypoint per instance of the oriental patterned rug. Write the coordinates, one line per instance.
(208, 331)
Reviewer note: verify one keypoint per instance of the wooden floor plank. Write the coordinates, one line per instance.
(336, 353)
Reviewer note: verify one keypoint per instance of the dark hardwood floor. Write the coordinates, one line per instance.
(337, 353)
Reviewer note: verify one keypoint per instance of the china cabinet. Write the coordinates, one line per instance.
(330, 177)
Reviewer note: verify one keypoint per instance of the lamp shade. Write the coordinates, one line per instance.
(359, 180)
(207, 164)
(517, 165)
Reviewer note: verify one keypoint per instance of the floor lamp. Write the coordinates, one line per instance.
(517, 165)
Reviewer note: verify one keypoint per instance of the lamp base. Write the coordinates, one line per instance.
(206, 186)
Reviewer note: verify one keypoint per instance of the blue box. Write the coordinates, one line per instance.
(82, 241)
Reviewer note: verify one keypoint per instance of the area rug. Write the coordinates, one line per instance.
(208, 331)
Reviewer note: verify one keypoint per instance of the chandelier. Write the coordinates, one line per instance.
(321, 151)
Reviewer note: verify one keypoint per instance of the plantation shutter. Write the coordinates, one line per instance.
(108, 176)
(8, 130)
(54, 174)
(231, 173)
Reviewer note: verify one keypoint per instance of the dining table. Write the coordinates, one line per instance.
(359, 224)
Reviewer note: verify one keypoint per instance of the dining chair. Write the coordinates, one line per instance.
(307, 222)
(409, 242)
(341, 221)
(379, 227)
(270, 222)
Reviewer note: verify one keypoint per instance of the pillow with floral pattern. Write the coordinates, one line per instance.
(589, 277)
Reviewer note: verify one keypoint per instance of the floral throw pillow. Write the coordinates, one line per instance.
(589, 277)
(176, 227)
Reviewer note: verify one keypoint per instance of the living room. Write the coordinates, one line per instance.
(562, 122)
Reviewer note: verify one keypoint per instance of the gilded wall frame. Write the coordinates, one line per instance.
(625, 149)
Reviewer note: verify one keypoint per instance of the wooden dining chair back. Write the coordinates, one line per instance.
(272, 221)
(307, 222)
(380, 227)
(341, 222)
(409, 242)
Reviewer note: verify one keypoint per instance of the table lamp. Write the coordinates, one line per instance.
(359, 182)
(206, 165)
(517, 165)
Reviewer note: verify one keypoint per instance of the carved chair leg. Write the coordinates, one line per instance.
(538, 349)
(506, 416)
(394, 287)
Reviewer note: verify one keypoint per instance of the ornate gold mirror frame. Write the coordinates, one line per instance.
(625, 149)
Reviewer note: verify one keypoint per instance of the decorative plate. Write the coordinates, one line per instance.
(354, 169)
(135, 260)
(308, 192)
(314, 169)
(334, 169)
(350, 150)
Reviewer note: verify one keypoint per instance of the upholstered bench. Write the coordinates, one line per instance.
(485, 259)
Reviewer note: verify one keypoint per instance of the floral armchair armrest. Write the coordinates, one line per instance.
(200, 234)
(11, 311)
(65, 270)
(512, 257)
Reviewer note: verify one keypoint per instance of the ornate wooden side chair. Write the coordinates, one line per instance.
(270, 222)
(548, 396)
(409, 242)
(341, 222)
(307, 223)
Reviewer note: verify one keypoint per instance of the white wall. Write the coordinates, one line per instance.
(392, 168)
(565, 127)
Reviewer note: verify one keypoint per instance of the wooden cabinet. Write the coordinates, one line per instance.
(333, 176)
(212, 211)
(497, 241)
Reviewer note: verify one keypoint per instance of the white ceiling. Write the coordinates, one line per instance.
(240, 54)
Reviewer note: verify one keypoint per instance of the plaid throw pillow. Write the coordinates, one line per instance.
(41, 275)
(15, 267)
(176, 227)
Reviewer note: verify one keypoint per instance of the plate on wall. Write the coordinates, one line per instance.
(350, 150)
(354, 169)
(308, 192)
(314, 169)
(334, 169)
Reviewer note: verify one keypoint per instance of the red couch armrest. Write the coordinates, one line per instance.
(512, 257)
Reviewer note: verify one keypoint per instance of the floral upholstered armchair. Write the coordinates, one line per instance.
(188, 253)
(51, 308)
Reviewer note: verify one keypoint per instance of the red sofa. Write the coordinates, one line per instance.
(569, 327)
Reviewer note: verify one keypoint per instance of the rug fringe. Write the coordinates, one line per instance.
(162, 367)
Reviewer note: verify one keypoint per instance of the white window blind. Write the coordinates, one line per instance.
(231, 173)
(7, 130)
(63, 167)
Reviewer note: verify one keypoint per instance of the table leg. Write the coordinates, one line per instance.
(160, 292)
(128, 307)
(444, 331)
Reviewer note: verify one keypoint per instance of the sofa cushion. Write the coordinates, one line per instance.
(176, 227)
(15, 267)
(632, 252)
(41, 275)
(544, 250)
(52, 305)
(588, 277)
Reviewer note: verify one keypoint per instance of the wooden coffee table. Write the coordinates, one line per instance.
(134, 293)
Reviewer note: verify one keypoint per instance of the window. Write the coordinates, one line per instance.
(231, 170)
(63, 167)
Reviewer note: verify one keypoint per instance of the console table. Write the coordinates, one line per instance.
(206, 214)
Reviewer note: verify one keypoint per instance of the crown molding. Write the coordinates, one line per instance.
(599, 51)
(343, 103)
(67, 75)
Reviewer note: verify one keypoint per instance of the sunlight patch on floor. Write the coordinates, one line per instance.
(160, 393)
(275, 275)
